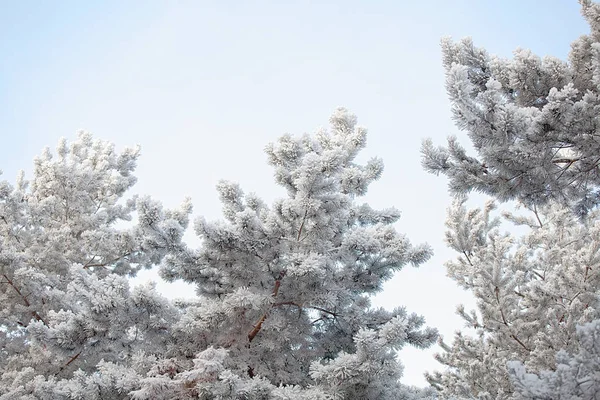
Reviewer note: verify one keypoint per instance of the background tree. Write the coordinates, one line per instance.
(532, 121)
(575, 375)
(67, 311)
(532, 292)
(534, 125)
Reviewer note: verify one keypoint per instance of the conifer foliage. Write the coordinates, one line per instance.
(70, 327)
(283, 308)
(534, 125)
(535, 292)
(532, 121)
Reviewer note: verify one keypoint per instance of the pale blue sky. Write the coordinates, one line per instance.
(203, 86)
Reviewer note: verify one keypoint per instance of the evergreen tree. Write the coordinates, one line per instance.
(534, 125)
(532, 121)
(67, 311)
(532, 292)
(575, 376)
(283, 308)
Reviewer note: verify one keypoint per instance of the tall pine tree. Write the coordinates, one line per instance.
(70, 327)
(283, 308)
(532, 121)
(534, 125)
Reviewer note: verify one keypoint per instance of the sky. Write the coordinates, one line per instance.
(203, 86)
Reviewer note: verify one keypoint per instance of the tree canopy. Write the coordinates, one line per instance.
(533, 123)
(283, 308)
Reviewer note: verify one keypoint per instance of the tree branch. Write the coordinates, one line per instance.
(565, 161)
(34, 313)
(512, 335)
(104, 264)
(468, 259)
(302, 224)
(537, 216)
(75, 357)
(258, 325)
(291, 303)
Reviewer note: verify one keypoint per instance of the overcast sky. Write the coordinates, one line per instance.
(203, 86)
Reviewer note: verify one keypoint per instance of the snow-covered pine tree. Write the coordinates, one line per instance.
(575, 376)
(532, 121)
(283, 310)
(532, 292)
(284, 291)
(534, 125)
(70, 328)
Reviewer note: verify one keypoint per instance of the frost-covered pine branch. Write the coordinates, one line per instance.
(533, 125)
(575, 376)
(70, 327)
(532, 121)
(532, 293)
(284, 309)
